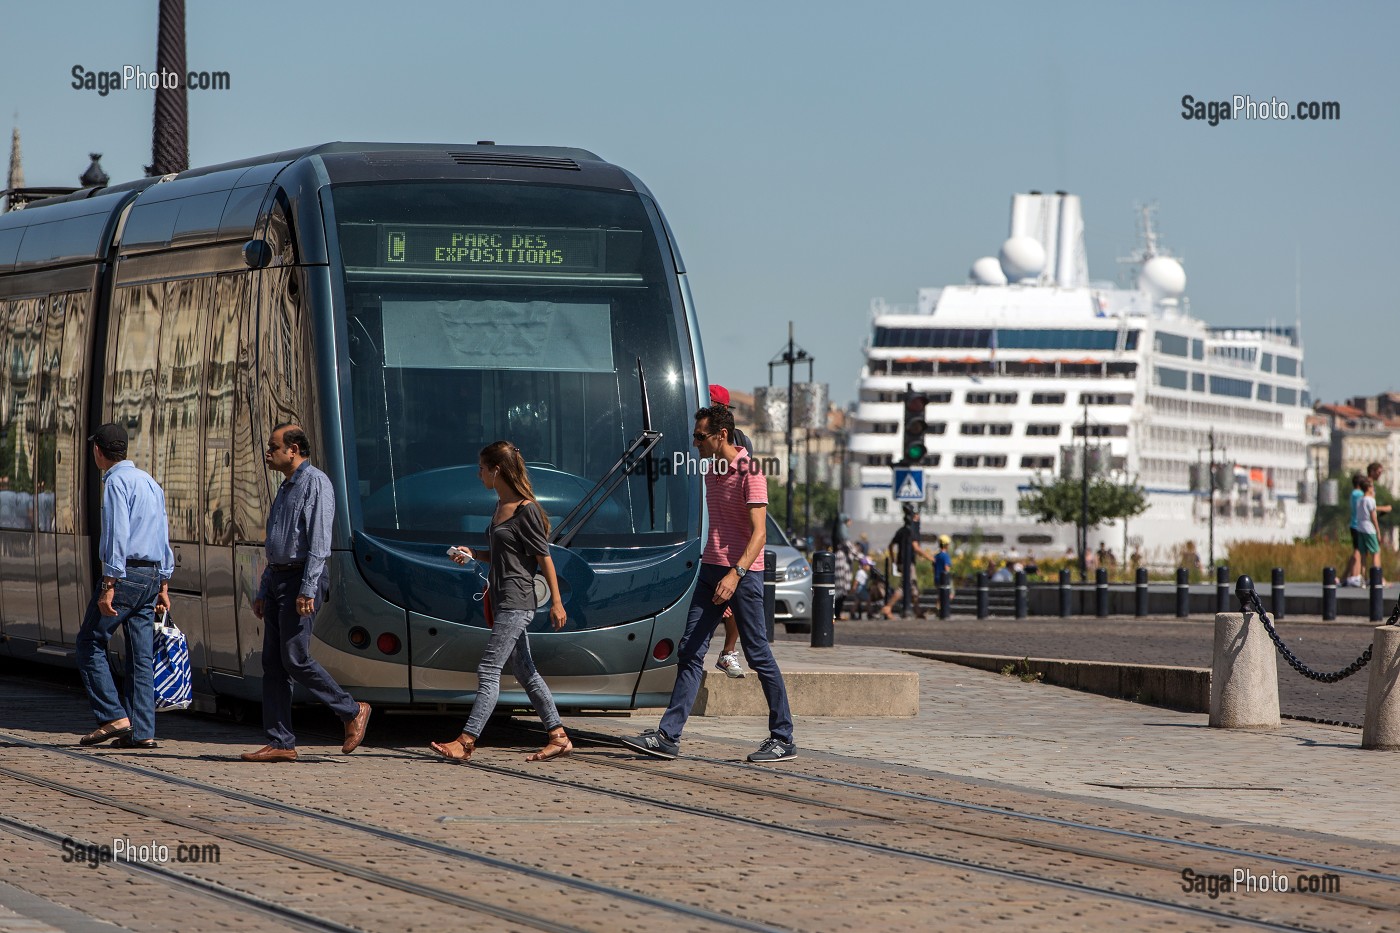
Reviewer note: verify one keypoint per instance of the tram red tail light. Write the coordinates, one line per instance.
(388, 643)
(663, 649)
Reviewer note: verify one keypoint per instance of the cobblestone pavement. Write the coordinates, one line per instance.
(1324, 646)
(604, 840)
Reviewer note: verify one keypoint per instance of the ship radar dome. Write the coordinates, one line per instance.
(987, 271)
(1022, 257)
(1163, 277)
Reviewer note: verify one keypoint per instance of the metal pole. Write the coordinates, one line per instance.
(1084, 499)
(770, 590)
(807, 484)
(1279, 597)
(1329, 593)
(906, 568)
(1140, 593)
(1183, 593)
(1066, 595)
(981, 594)
(823, 599)
(1101, 593)
(791, 360)
(1222, 588)
(1210, 548)
(1377, 596)
(1022, 596)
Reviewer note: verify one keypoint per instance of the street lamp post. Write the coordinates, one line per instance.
(790, 357)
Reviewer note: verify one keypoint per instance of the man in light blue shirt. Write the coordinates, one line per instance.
(290, 592)
(136, 566)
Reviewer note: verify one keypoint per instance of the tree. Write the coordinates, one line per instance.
(1062, 502)
(825, 506)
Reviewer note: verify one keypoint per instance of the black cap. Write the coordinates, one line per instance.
(111, 437)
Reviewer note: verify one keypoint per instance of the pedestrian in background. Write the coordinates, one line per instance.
(1368, 524)
(729, 653)
(137, 562)
(519, 542)
(730, 574)
(291, 590)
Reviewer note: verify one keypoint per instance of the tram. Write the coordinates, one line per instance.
(407, 304)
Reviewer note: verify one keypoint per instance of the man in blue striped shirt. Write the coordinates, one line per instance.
(291, 590)
(136, 566)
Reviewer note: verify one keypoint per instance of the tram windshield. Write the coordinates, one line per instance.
(478, 312)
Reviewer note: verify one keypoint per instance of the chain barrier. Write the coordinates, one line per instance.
(1249, 601)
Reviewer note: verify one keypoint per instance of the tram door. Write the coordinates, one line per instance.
(24, 328)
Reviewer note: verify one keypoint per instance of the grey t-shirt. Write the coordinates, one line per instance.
(515, 546)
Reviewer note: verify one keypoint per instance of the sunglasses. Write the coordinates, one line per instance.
(698, 436)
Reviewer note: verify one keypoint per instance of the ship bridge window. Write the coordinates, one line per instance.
(1042, 430)
(960, 338)
(1062, 339)
(1286, 365)
(1286, 396)
(1236, 388)
(1198, 382)
(1173, 344)
(1265, 392)
(1266, 362)
(1047, 398)
(1169, 378)
(978, 506)
(1198, 349)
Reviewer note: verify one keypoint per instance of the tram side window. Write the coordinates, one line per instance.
(50, 330)
(220, 391)
(19, 414)
(133, 380)
(71, 442)
(180, 381)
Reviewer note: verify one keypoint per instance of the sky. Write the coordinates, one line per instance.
(811, 156)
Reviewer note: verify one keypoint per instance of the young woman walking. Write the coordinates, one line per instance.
(518, 535)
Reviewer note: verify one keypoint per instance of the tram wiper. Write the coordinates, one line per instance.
(638, 451)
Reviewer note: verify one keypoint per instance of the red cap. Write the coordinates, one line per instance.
(719, 395)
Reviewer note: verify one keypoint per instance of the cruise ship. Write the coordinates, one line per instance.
(1031, 361)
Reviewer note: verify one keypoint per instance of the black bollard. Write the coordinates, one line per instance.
(1377, 596)
(1280, 599)
(1183, 593)
(1329, 593)
(1101, 593)
(982, 595)
(1222, 588)
(1022, 595)
(1066, 596)
(1140, 593)
(823, 599)
(945, 596)
(770, 589)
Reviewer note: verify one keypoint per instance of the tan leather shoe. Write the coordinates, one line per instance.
(355, 730)
(268, 753)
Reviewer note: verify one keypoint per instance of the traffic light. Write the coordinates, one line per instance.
(915, 427)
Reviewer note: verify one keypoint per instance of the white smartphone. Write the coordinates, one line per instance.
(456, 552)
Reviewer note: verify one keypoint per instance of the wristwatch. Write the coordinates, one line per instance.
(740, 571)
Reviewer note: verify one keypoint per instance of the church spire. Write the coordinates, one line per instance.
(16, 177)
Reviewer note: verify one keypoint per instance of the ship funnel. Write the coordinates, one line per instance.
(1056, 222)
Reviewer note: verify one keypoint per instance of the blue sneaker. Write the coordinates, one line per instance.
(653, 743)
(774, 750)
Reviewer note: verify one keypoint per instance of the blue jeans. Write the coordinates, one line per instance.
(508, 641)
(134, 598)
(747, 603)
(286, 657)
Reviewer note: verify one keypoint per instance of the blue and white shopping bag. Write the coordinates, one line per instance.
(172, 666)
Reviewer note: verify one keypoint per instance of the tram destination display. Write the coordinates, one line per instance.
(515, 249)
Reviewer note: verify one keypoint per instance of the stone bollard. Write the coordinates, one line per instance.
(1244, 674)
(1381, 727)
(823, 599)
(1222, 588)
(1329, 593)
(770, 590)
(1066, 596)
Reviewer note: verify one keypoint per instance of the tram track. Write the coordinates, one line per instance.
(451, 898)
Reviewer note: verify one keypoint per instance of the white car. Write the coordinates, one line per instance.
(792, 603)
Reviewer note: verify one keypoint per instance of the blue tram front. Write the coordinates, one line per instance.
(409, 304)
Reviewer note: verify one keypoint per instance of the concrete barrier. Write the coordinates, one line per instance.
(1180, 688)
(1244, 674)
(1381, 728)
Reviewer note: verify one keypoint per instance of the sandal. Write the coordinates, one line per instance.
(103, 733)
(127, 741)
(559, 746)
(465, 742)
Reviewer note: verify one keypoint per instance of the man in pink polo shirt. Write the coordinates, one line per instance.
(731, 572)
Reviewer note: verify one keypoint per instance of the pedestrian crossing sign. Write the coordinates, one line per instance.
(909, 485)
